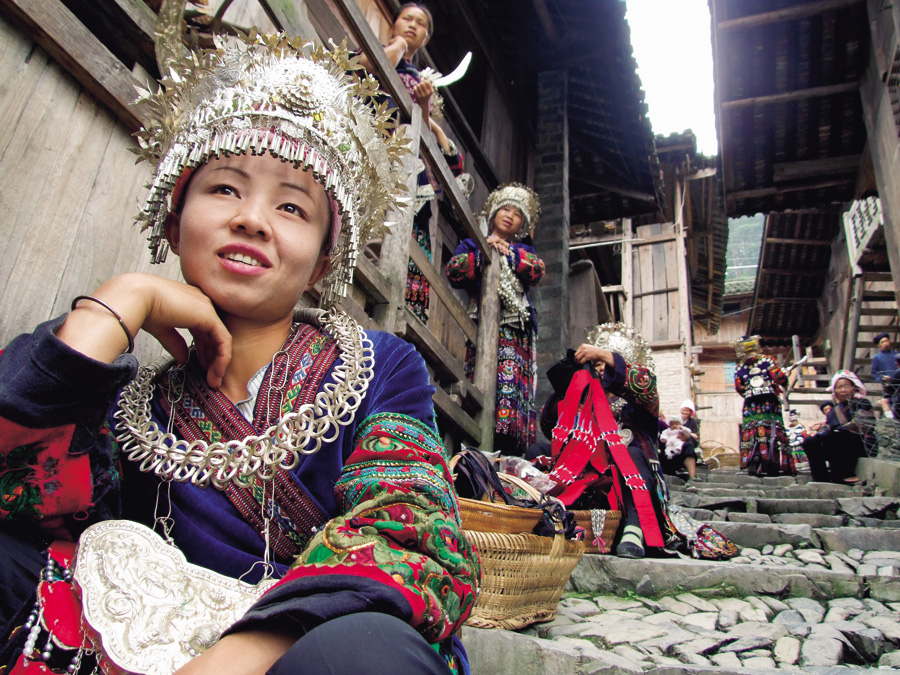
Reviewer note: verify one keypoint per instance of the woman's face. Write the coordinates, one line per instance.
(687, 412)
(507, 222)
(843, 389)
(412, 26)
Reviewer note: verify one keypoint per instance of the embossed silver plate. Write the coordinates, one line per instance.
(154, 611)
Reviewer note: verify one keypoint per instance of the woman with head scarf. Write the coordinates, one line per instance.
(834, 451)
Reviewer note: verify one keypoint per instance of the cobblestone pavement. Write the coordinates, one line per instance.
(815, 589)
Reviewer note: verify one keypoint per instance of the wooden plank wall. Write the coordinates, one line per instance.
(655, 297)
(69, 190)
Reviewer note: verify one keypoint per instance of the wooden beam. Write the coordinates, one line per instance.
(798, 242)
(814, 168)
(78, 51)
(655, 239)
(615, 189)
(796, 95)
(790, 14)
(772, 191)
(657, 291)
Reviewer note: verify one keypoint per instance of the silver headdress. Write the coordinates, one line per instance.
(749, 344)
(513, 194)
(625, 341)
(264, 95)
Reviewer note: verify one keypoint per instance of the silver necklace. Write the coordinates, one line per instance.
(279, 447)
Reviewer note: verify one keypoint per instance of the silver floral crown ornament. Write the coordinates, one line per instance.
(513, 194)
(625, 341)
(263, 94)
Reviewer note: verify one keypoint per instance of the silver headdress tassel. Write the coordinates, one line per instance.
(513, 194)
(265, 95)
(625, 341)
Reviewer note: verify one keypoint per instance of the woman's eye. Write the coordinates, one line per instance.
(224, 190)
(292, 209)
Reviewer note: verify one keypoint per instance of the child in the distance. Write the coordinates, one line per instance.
(297, 440)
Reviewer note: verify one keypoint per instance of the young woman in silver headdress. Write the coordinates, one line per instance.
(293, 451)
(511, 212)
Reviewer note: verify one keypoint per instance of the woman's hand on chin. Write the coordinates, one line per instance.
(157, 305)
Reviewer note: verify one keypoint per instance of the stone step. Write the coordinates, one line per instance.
(864, 538)
(757, 535)
(828, 507)
(661, 576)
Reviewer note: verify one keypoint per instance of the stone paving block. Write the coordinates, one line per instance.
(758, 662)
(774, 604)
(787, 650)
(748, 643)
(726, 660)
(891, 660)
(627, 631)
(706, 620)
(821, 652)
(696, 602)
(607, 602)
(758, 629)
(661, 618)
(886, 590)
(675, 606)
(888, 626)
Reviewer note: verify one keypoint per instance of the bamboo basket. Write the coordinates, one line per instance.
(607, 536)
(523, 577)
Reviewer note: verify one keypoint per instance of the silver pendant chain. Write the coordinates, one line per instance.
(239, 462)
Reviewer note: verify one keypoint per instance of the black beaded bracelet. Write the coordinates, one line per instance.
(113, 312)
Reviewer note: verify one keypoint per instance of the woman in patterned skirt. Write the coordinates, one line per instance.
(511, 211)
(765, 449)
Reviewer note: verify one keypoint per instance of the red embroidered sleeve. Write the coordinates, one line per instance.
(640, 388)
(527, 266)
(463, 269)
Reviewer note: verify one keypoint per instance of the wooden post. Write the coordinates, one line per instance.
(627, 274)
(394, 260)
(858, 285)
(684, 296)
(485, 377)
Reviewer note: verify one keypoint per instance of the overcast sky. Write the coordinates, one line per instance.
(671, 42)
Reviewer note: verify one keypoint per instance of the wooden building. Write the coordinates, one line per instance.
(552, 99)
(807, 108)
